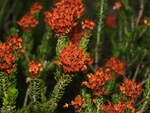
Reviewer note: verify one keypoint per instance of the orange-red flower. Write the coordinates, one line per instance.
(116, 67)
(78, 103)
(36, 8)
(73, 60)
(110, 21)
(28, 22)
(130, 90)
(63, 17)
(35, 69)
(96, 82)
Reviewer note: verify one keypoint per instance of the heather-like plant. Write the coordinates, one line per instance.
(72, 46)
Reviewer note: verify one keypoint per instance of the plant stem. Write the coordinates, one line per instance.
(98, 36)
(26, 97)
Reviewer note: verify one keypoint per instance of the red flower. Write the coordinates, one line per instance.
(96, 82)
(36, 8)
(63, 17)
(35, 69)
(73, 60)
(28, 22)
(110, 21)
(116, 67)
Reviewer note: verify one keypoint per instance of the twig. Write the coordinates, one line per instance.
(142, 32)
(140, 13)
(98, 36)
(4, 86)
(34, 95)
(136, 73)
(132, 23)
(61, 84)
(26, 97)
(139, 103)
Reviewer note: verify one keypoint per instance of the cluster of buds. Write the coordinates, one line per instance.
(73, 60)
(96, 82)
(8, 54)
(130, 90)
(36, 8)
(110, 21)
(63, 17)
(35, 69)
(78, 103)
(116, 67)
(28, 22)
(88, 25)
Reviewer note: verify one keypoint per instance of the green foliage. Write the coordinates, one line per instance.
(24, 110)
(9, 100)
(44, 50)
(110, 86)
(4, 83)
(57, 93)
(84, 41)
(146, 95)
(115, 98)
(99, 30)
(61, 42)
(35, 93)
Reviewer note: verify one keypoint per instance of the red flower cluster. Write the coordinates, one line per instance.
(96, 83)
(35, 69)
(8, 54)
(88, 25)
(73, 60)
(28, 22)
(63, 17)
(130, 90)
(116, 67)
(78, 103)
(117, 108)
(110, 21)
(36, 8)
(15, 42)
